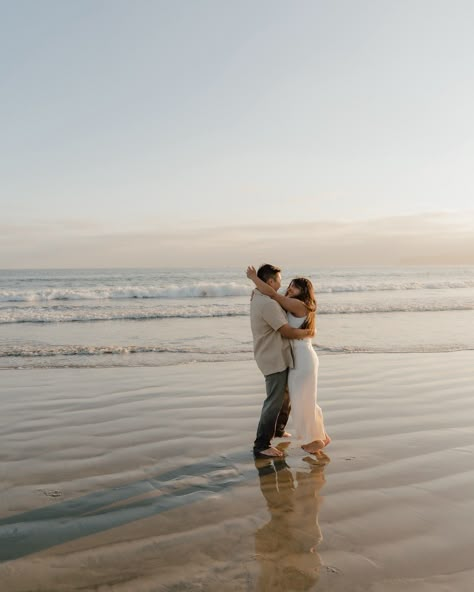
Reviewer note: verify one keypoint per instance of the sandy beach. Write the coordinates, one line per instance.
(142, 479)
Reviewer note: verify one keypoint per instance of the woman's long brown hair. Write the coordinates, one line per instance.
(309, 299)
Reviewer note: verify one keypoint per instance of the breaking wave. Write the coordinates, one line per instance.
(210, 290)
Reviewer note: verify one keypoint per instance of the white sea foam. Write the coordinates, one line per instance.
(46, 314)
(380, 286)
(352, 349)
(31, 351)
(213, 290)
(196, 290)
(66, 315)
(207, 354)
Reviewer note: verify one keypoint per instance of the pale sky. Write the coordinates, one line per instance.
(158, 133)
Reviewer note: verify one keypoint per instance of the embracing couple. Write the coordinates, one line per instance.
(282, 328)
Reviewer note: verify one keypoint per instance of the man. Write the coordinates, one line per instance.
(271, 332)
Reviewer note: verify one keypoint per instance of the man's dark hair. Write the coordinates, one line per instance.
(267, 272)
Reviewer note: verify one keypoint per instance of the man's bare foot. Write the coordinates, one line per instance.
(284, 434)
(313, 447)
(270, 452)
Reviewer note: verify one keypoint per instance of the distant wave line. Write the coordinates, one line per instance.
(7, 318)
(94, 350)
(133, 317)
(209, 290)
(186, 355)
(432, 349)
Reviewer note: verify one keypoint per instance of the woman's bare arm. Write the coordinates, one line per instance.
(292, 305)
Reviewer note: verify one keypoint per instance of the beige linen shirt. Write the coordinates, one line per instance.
(272, 351)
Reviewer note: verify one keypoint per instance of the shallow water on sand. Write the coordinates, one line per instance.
(143, 480)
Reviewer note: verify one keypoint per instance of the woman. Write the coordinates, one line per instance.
(300, 304)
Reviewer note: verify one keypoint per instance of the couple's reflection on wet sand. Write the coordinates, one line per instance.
(286, 547)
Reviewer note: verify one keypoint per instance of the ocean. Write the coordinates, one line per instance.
(162, 317)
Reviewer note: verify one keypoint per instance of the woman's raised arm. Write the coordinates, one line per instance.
(292, 305)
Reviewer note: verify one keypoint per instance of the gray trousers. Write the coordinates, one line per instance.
(275, 410)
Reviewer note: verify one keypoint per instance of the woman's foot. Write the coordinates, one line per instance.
(313, 447)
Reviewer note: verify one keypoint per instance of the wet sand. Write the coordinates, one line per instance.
(142, 479)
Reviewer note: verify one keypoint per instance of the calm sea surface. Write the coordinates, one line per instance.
(138, 317)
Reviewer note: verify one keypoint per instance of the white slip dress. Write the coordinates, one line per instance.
(303, 388)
